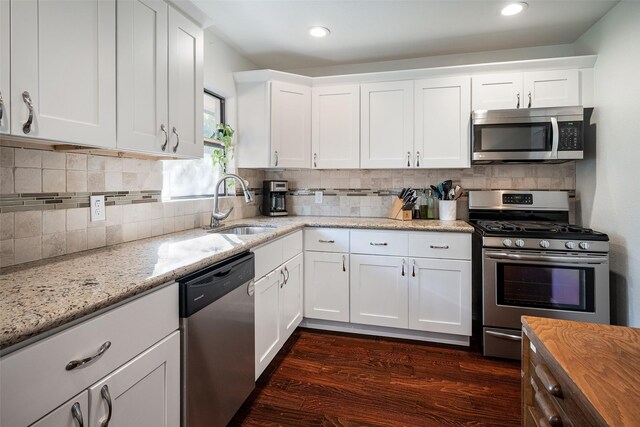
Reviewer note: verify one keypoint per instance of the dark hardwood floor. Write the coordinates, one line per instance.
(331, 379)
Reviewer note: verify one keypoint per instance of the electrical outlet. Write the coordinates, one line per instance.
(97, 208)
(319, 195)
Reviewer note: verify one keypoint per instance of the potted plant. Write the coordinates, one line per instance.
(220, 157)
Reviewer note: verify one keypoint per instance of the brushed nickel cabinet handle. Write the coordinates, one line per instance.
(417, 159)
(286, 270)
(276, 154)
(413, 270)
(548, 410)
(344, 267)
(518, 104)
(326, 241)
(402, 268)
(408, 159)
(106, 396)
(1, 107)
(81, 362)
(439, 246)
(175, 132)
(163, 128)
(315, 160)
(284, 280)
(26, 97)
(548, 380)
(529, 106)
(76, 413)
(378, 243)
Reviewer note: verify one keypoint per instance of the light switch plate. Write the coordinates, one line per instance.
(319, 195)
(97, 208)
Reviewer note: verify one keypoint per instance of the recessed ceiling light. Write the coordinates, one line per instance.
(319, 32)
(514, 8)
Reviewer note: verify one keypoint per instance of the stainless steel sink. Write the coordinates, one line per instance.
(244, 230)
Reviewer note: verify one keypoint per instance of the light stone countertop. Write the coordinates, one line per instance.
(40, 296)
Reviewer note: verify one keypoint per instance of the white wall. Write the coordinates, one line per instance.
(441, 61)
(607, 183)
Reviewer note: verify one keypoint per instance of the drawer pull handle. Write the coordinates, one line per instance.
(378, 244)
(104, 392)
(81, 362)
(505, 336)
(548, 411)
(76, 413)
(549, 382)
(326, 241)
(439, 246)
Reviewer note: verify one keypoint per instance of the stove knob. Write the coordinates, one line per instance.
(507, 242)
(519, 243)
(544, 244)
(584, 245)
(570, 245)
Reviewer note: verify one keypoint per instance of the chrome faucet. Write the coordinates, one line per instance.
(216, 215)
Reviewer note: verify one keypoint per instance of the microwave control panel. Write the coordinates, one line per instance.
(570, 136)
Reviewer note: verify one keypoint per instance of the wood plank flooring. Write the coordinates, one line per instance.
(331, 379)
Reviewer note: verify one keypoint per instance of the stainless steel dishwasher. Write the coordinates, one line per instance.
(217, 341)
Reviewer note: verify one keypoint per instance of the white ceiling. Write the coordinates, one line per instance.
(273, 33)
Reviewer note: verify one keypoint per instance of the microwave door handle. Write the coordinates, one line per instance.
(555, 138)
(547, 258)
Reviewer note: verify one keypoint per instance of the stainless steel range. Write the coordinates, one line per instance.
(528, 260)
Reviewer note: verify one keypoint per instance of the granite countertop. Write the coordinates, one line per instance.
(40, 296)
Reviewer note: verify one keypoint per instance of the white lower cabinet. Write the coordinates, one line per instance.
(440, 296)
(267, 319)
(379, 290)
(143, 393)
(73, 413)
(326, 286)
(291, 290)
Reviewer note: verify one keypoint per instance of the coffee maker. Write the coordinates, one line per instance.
(274, 199)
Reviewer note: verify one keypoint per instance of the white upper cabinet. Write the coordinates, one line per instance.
(442, 120)
(274, 125)
(386, 125)
(186, 51)
(290, 125)
(497, 91)
(531, 89)
(552, 88)
(5, 60)
(143, 117)
(63, 70)
(335, 127)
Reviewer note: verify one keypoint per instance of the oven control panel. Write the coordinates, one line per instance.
(514, 243)
(517, 199)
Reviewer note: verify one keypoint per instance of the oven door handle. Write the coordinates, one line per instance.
(503, 335)
(547, 258)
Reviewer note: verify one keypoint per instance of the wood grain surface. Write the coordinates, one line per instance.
(602, 363)
(331, 379)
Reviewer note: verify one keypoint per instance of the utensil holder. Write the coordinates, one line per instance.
(447, 210)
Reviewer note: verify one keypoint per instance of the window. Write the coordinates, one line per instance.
(196, 178)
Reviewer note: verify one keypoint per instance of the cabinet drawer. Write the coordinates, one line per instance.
(268, 257)
(326, 239)
(376, 242)
(34, 379)
(291, 245)
(440, 245)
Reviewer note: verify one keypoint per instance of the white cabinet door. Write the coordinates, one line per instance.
(73, 413)
(379, 291)
(386, 125)
(552, 88)
(442, 120)
(186, 41)
(63, 55)
(292, 296)
(440, 296)
(143, 393)
(335, 127)
(290, 125)
(142, 76)
(267, 318)
(497, 91)
(5, 60)
(326, 286)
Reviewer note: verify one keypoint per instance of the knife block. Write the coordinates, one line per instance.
(396, 211)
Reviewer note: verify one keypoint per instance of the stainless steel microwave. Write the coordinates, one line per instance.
(527, 135)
